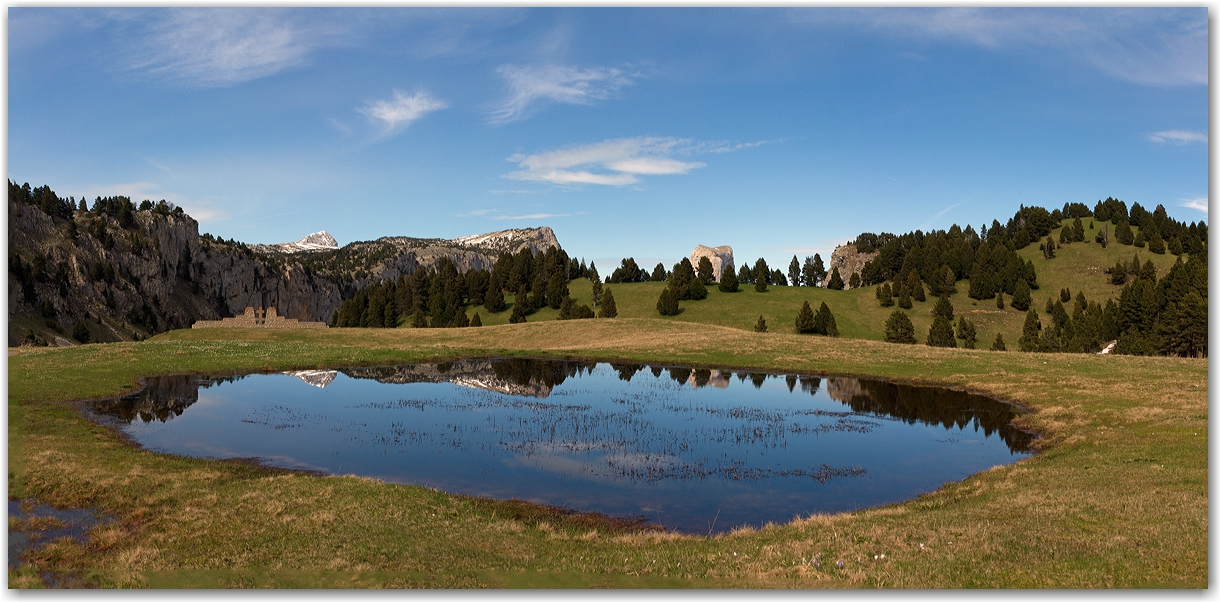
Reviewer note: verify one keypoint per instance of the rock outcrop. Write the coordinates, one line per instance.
(318, 241)
(849, 261)
(719, 256)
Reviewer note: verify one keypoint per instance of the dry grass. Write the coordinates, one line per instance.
(1116, 498)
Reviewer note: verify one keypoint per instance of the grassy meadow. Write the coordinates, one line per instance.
(1115, 497)
(1079, 266)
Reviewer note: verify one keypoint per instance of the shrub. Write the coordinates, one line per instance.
(760, 325)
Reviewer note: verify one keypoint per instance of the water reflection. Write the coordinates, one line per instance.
(673, 443)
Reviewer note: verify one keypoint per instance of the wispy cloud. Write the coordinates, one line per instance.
(497, 214)
(529, 85)
(617, 162)
(218, 47)
(402, 109)
(1151, 46)
(1178, 137)
(1198, 204)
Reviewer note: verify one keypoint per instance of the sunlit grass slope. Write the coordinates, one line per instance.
(1117, 496)
(1078, 267)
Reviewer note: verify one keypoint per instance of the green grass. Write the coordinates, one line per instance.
(1116, 496)
(1079, 267)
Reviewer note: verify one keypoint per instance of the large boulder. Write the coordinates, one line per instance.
(849, 261)
(719, 256)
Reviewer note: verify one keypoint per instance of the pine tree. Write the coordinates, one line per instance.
(597, 292)
(884, 295)
(1078, 230)
(804, 319)
(915, 286)
(460, 320)
(556, 290)
(904, 298)
(1103, 236)
(728, 280)
(824, 322)
(608, 308)
(658, 273)
(1118, 274)
(967, 332)
(819, 270)
(808, 276)
(999, 300)
(1048, 249)
(745, 275)
(760, 325)
(1156, 244)
(418, 319)
(1175, 245)
(762, 271)
(667, 303)
(1029, 332)
(476, 321)
(705, 272)
(695, 290)
(1140, 240)
(950, 283)
(1122, 233)
(941, 333)
(854, 281)
(760, 284)
(1065, 236)
(518, 314)
(1020, 296)
(794, 272)
(998, 345)
(943, 308)
(565, 309)
(898, 328)
(493, 300)
(836, 281)
(1065, 295)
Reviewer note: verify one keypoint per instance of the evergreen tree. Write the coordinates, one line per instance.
(597, 293)
(608, 308)
(999, 300)
(778, 278)
(943, 308)
(565, 309)
(854, 281)
(824, 322)
(950, 280)
(556, 290)
(476, 321)
(760, 285)
(1118, 274)
(998, 345)
(967, 332)
(941, 333)
(915, 286)
(1103, 237)
(728, 280)
(1020, 296)
(1175, 246)
(1156, 244)
(898, 328)
(760, 325)
(885, 295)
(1123, 234)
(1048, 249)
(518, 314)
(794, 272)
(804, 319)
(819, 270)
(667, 303)
(1140, 240)
(493, 299)
(1065, 236)
(1183, 326)
(1078, 230)
(904, 299)
(418, 319)
(658, 273)
(1030, 331)
(762, 272)
(836, 281)
(705, 272)
(1065, 295)
(460, 320)
(1148, 272)
(695, 290)
(808, 273)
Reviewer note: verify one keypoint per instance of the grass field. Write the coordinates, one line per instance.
(1078, 267)
(1116, 496)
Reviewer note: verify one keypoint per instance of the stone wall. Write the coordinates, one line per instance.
(258, 318)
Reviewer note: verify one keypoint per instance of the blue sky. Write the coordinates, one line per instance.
(636, 132)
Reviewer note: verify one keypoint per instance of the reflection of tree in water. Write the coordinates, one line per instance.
(549, 373)
(161, 399)
(931, 405)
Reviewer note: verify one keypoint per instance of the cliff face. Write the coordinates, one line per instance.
(154, 275)
(849, 261)
(124, 281)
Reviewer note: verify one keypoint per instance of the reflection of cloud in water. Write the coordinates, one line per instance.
(555, 464)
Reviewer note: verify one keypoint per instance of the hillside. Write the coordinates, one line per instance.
(1080, 267)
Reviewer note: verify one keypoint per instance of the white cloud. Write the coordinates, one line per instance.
(610, 163)
(497, 214)
(1198, 204)
(1178, 136)
(402, 110)
(528, 85)
(1150, 46)
(217, 47)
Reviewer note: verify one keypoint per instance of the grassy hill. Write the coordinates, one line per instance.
(1079, 267)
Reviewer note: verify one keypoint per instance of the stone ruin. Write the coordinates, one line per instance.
(719, 256)
(258, 318)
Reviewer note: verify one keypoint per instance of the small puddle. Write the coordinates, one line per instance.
(32, 525)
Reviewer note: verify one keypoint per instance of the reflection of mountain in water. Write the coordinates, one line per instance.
(527, 378)
(317, 378)
(162, 398)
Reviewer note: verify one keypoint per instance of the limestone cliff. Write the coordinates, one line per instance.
(849, 261)
(719, 256)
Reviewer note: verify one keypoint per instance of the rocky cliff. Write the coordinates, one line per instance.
(114, 275)
(719, 256)
(849, 261)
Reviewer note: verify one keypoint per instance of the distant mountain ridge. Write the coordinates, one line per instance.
(318, 241)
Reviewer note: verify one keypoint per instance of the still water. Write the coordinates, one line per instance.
(693, 450)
